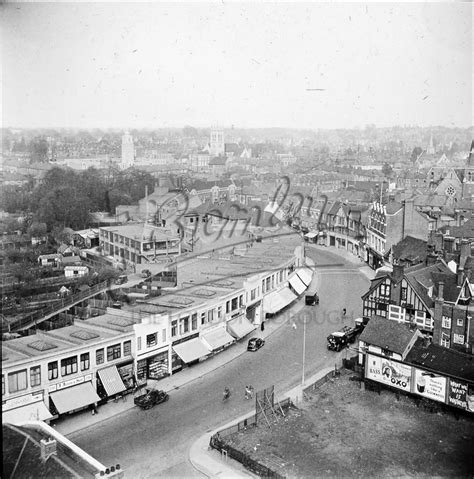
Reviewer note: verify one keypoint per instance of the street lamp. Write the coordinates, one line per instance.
(304, 350)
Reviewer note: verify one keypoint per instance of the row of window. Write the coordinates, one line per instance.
(446, 322)
(18, 380)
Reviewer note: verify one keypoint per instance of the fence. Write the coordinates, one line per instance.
(32, 319)
(218, 442)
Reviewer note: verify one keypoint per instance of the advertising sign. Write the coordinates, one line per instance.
(430, 385)
(388, 372)
(458, 395)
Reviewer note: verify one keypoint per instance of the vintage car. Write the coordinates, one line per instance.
(150, 398)
(121, 279)
(340, 339)
(255, 344)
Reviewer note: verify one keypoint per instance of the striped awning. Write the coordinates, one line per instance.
(111, 380)
(305, 274)
(297, 284)
(75, 397)
(36, 411)
(276, 301)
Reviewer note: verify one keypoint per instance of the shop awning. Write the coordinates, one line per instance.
(111, 380)
(36, 411)
(191, 350)
(311, 235)
(75, 397)
(274, 302)
(217, 338)
(305, 274)
(240, 327)
(297, 284)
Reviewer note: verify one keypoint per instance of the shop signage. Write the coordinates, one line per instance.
(21, 401)
(388, 372)
(430, 385)
(71, 382)
(458, 395)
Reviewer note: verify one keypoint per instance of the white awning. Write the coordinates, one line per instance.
(217, 338)
(240, 327)
(305, 274)
(297, 284)
(191, 350)
(311, 235)
(36, 411)
(111, 380)
(75, 397)
(274, 302)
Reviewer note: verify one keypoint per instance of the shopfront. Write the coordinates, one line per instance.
(30, 407)
(109, 382)
(188, 351)
(72, 395)
(154, 366)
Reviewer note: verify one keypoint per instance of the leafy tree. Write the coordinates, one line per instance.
(387, 169)
(417, 151)
(37, 229)
(38, 150)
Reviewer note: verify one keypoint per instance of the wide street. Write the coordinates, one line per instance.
(155, 443)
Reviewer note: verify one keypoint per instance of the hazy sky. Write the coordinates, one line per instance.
(242, 64)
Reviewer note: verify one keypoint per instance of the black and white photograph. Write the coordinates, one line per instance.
(237, 239)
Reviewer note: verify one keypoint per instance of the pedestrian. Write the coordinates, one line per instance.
(262, 326)
(344, 312)
(94, 409)
(247, 392)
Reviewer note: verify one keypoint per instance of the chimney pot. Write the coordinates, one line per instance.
(441, 290)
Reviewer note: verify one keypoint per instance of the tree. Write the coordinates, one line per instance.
(387, 169)
(38, 150)
(37, 229)
(417, 151)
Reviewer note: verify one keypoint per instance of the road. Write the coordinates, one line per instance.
(155, 443)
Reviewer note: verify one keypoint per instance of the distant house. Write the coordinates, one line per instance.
(49, 259)
(71, 271)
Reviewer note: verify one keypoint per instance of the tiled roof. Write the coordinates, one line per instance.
(442, 360)
(387, 334)
(410, 249)
(393, 207)
(450, 289)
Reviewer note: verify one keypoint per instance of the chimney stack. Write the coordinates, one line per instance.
(441, 291)
(465, 248)
(48, 448)
(397, 273)
(448, 244)
(460, 276)
(431, 258)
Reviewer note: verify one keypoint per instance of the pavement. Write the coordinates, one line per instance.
(207, 461)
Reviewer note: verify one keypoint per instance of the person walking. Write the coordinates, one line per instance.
(344, 312)
(248, 392)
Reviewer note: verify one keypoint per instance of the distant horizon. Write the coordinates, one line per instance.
(233, 127)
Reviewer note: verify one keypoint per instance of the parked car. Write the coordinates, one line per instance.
(151, 398)
(121, 279)
(255, 344)
(311, 298)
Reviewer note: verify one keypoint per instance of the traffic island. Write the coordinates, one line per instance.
(342, 430)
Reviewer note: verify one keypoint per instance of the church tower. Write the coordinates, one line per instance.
(128, 151)
(217, 146)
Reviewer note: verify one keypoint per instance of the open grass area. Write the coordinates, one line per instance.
(345, 431)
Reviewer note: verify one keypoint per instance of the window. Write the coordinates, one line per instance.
(253, 294)
(139, 343)
(127, 348)
(445, 340)
(99, 356)
(3, 384)
(174, 328)
(35, 376)
(53, 370)
(267, 283)
(184, 325)
(113, 352)
(458, 339)
(69, 366)
(219, 312)
(210, 315)
(263, 286)
(446, 322)
(460, 322)
(241, 300)
(203, 318)
(17, 381)
(85, 361)
(151, 340)
(404, 294)
(163, 335)
(384, 290)
(227, 307)
(234, 303)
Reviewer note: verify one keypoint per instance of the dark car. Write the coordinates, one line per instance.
(311, 298)
(151, 398)
(146, 273)
(337, 341)
(255, 344)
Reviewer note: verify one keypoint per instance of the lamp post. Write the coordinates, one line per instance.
(304, 350)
